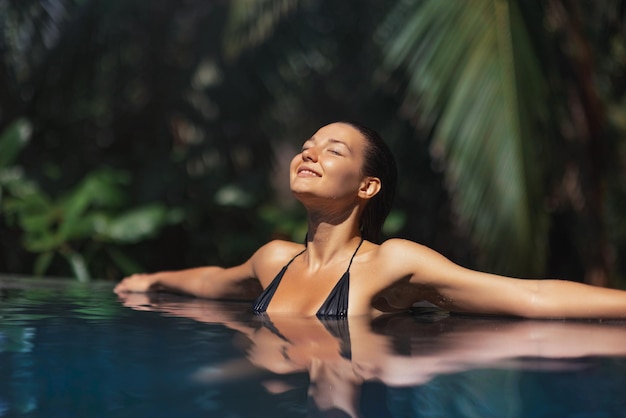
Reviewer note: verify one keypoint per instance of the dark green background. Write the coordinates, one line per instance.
(147, 135)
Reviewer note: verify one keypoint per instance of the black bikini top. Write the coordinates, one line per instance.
(335, 305)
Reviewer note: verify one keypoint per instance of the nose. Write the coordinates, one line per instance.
(309, 154)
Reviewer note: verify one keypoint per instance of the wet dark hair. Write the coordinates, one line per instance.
(379, 162)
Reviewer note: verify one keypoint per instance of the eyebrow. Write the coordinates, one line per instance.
(336, 141)
(332, 141)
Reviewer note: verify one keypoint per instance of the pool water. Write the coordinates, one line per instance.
(70, 349)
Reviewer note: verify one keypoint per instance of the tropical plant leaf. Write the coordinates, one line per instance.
(16, 184)
(12, 140)
(250, 22)
(100, 188)
(137, 224)
(43, 262)
(34, 211)
(473, 75)
(78, 265)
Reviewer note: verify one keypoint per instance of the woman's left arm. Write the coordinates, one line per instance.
(459, 289)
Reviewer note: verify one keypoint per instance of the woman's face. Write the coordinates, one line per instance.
(330, 164)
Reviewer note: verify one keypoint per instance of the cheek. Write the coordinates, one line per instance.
(346, 173)
(343, 179)
(294, 162)
(293, 166)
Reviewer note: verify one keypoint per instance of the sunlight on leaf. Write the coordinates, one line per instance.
(137, 224)
(79, 267)
(232, 195)
(13, 139)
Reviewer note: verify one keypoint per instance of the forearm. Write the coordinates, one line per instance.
(496, 295)
(566, 299)
(195, 282)
(204, 282)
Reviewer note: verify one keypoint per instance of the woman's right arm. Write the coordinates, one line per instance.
(205, 282)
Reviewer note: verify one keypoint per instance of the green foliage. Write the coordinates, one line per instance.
(93, 211)
(473, 72)
(12, 140)
(251, 22)
(142, 89)
(197, 105)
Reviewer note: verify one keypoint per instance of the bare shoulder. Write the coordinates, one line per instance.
(279, 249)
(409, 258)
(395, 244)
(397, 247)
(395, 258)
(270, 258)
(389, 270)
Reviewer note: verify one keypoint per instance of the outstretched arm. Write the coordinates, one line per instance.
(459, 289)
(205, 282)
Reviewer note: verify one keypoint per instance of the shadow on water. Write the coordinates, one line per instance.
(73, 349)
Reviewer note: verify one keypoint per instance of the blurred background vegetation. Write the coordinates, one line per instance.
(145, 135)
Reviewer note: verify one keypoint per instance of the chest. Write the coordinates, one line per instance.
(302, 291)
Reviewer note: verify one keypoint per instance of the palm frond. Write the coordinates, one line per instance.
(250, 22)
(473, 75)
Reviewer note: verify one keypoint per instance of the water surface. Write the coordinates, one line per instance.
(73, 349)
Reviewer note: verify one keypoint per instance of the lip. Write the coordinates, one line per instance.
(304, 171)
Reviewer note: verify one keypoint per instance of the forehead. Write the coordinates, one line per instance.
(340, 132)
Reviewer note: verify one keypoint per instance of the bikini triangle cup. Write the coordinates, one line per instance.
(335, 305)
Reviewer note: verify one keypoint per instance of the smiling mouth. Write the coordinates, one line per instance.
(307, 173)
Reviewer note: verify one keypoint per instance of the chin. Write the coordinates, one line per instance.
(306, 197)
(297, 188)
(300, 194)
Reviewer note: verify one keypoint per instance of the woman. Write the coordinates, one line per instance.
(345, 177)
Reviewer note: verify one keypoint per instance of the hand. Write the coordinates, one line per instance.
(137, 301)
(137, 283)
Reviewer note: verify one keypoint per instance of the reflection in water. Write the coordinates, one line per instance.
(70, 349)
(411, 355)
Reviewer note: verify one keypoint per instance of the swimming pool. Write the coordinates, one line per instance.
(74, 349)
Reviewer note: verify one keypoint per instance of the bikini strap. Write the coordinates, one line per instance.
(294, 257)
(353, 255)
(263, 301)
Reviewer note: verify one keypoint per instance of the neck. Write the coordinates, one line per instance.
(332, 237)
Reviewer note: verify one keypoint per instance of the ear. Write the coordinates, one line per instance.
(369, 187)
